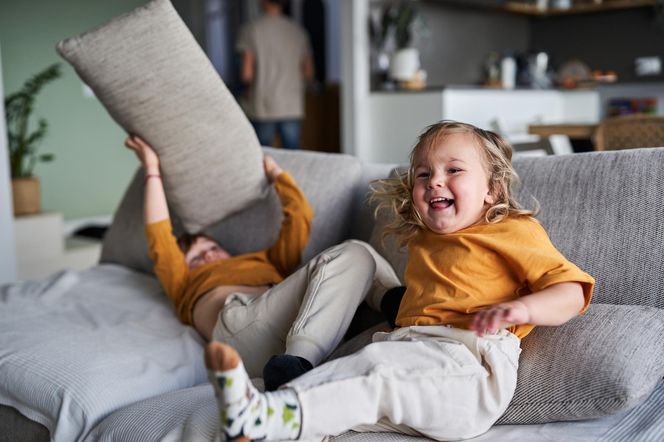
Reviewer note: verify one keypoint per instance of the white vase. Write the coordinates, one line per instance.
(404, 64)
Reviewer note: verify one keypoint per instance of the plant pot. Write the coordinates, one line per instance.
(25, 192)
(404, 64)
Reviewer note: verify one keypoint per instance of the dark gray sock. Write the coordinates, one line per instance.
(283, 368)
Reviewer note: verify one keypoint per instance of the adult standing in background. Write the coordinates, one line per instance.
(276, 64)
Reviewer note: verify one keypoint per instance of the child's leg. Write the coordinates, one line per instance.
(309, 311)
(244, 413)
(385, 277)
(424, 384)
(421, 382)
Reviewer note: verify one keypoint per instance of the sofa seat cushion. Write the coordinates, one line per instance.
(154, 80)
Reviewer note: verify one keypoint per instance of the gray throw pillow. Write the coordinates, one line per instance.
(154, 80)
(607, 360)
(256, 227)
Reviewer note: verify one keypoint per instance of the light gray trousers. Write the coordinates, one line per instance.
(433, 381)
(309, 312)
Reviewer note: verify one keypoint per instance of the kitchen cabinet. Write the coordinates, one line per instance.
(395, 119)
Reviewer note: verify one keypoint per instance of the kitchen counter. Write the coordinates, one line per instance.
(396, 119)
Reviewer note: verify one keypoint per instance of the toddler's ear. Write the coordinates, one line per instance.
(491, 197)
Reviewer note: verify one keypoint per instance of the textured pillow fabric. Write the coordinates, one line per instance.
(327, 180)
(124, 241)
(257, 227)
(604, 212)
(602, 362)
(152, 77)
(387, 246)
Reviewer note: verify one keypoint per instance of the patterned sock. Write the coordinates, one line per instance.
(246, 412)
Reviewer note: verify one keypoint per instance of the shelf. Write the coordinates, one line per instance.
(582, 8)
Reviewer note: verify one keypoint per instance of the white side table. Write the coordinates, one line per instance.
(42, 249)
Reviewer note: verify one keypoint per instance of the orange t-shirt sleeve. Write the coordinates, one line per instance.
(286, 253)
(169, 263)
(543, 265)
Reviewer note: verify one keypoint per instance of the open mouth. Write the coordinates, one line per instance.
(441, 203)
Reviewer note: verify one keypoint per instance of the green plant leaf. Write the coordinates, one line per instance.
(18, 109)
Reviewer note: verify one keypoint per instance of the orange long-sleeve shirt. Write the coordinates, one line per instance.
(270, 266)
(450, 277)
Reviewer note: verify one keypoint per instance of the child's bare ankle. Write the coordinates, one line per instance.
(221, 357)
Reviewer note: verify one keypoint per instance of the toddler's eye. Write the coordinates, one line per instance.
(453, 170)
(423, 175)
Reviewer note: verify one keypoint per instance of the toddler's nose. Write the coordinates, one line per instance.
(436, 181)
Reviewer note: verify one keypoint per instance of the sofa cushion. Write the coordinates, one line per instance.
(602, 362)
(607, 360)
(387, 245)
(124, 241)
(154, 80)
(327, 180)
(604, 212)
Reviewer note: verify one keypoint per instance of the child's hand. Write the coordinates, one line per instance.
(500, 316)
(272, 169)
(147, 156)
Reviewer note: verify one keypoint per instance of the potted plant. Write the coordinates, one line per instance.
(23, 141)
(392, 29)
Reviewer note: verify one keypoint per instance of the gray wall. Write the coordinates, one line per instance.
(461, 39)
(608, 40)
(462, 35)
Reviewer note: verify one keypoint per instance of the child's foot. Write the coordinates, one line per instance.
(246, 414)
(283, 368)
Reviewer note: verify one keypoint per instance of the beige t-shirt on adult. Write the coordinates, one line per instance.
(279, 46)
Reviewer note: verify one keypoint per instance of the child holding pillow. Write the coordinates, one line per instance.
(257, 301)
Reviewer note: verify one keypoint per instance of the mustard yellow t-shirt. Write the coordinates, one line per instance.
(450, 277)
(270, 266)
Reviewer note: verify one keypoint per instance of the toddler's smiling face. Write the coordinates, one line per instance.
(451, 188)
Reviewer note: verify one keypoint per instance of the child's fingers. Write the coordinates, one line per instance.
(129, 142)
(491, 320)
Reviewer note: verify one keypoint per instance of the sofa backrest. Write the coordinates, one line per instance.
(329, 182)
(363, 219)
(603, 210)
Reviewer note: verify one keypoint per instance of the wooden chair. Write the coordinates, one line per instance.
(630, 131)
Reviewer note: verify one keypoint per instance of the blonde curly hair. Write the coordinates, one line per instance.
(395, 194)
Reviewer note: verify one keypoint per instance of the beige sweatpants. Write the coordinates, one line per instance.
(434, 381)
(309, 312)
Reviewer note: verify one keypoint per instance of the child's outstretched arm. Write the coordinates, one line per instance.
(286, 252)
(169, 262)
(155, 207)
(553, 305)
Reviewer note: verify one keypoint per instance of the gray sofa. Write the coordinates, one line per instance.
(99, 354)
